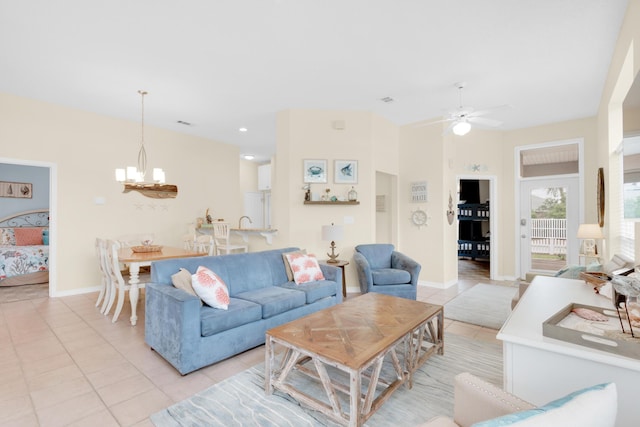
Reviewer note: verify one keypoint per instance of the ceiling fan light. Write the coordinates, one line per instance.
(461, 128)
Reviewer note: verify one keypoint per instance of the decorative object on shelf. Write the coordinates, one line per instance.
(21, 190)
(314, 171)
(332, 233)
(352, 195)
(345, 172)
(133, 177)
(419, 218)
(601, 197)
(208, 217)
(307, 193)
(419, 192)
(589, 232)
(451, 214)
(326, 197)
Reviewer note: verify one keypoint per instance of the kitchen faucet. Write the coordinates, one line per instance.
(240, 221)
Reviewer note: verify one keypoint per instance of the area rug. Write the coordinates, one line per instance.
(482, 305)
(241, 400)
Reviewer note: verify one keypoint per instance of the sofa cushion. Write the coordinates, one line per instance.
(7, 236)
(590, 407)
(211, 288)
(287, 266)
(240, 312)
(274, 299)
(182, 280)
(378, 255)
(305, 268)
(314, 291)
(390, 276)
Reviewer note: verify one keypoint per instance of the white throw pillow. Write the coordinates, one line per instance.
(305, 268)
(595, 406)
(211, 288)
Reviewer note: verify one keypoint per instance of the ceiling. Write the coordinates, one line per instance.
(225, 64)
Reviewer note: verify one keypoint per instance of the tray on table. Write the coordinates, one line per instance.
(612, 341)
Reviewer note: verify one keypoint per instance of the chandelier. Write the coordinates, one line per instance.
(134, 177)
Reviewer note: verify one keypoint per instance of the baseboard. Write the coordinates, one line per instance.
(78, 291)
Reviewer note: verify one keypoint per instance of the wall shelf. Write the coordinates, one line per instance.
(331, 203)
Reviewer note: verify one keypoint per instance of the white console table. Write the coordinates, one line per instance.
(540, 369)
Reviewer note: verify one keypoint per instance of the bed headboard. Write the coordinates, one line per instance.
(35, 218)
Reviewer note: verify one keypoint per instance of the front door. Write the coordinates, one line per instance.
(549, 219)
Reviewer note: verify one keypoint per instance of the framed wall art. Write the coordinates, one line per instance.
(314, 171)
(22, 190)
(345, 172)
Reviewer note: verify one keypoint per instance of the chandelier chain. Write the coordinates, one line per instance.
(142, 154)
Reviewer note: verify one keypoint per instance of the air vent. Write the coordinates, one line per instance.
(387, 99)
(182, 122)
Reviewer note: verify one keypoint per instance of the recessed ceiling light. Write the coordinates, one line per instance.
(387, 99)
(248, 156)
(243, 129)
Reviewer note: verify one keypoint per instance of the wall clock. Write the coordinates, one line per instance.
(601, 197)
(419, 218)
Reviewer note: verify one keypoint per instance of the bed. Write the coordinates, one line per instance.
(24, 248)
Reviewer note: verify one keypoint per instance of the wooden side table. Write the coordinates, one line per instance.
(341, 263)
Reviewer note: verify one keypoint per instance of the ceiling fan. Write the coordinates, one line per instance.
(464, 117)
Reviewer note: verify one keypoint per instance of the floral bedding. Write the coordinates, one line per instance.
(19, 260)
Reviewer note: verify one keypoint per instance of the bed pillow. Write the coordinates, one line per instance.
(305, 268)
(595, 406)
(45, 236)
(211, 288)
(27, 236)
(182, 280)
(7, 237)
(287, 266)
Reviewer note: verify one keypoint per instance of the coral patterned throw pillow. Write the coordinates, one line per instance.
(305, 268)
(211, 288)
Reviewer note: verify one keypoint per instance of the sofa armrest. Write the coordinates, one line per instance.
(333, 273)
(477, 400)
(364, 272)
(403, 262)
(172, 321)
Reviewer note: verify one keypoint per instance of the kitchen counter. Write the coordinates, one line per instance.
(267, 233)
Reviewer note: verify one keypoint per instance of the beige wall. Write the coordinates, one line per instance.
(84, 149)
(309, 134)
(625, 66)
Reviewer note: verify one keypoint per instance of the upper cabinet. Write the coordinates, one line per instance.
(264, 177)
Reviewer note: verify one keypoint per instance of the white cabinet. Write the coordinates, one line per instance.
(264, 177)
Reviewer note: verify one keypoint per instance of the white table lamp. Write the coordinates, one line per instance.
(589, 232)
(332, 233)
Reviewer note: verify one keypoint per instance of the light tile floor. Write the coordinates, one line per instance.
(62, 363)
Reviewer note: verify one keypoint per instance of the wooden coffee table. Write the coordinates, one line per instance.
(354, 337)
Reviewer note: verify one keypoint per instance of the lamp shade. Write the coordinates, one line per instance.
(332, 232)
(590, 231)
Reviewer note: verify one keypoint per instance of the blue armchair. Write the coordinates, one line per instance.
(383, 270)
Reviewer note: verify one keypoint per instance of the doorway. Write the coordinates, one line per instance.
(476, 222)
(549, 205)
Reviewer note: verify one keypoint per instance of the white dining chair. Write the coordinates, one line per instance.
(204, 244)
(119, 285)
(222, 238)
(189, 242)
(105, 277)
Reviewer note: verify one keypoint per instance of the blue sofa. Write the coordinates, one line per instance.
(190, 335)
(384, 270)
